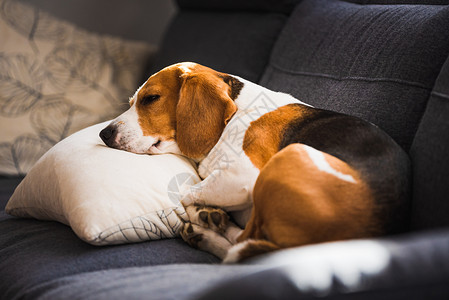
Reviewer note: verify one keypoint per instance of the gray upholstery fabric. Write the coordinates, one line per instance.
(431, 2)
(33, 252)
(375, 62)
(284, 6)
(411, 267)
(407, 267)
(430, 160)
(175, 282)
(234, 42)
(7, 187)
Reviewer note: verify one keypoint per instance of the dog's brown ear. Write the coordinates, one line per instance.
(203, 110)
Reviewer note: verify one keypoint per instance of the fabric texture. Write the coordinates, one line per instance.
(430, 160)
(56, 79)
(107, 196)
(7, 187)
(235, 42)
(393, 2)
(376, 62)
(407, 267)
(283, 6)
(33, 253)
(175, 281)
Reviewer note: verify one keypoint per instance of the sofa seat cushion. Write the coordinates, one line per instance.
(414, 266)
(377, 62)
(407, 267)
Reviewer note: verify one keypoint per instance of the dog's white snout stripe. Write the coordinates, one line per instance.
(321, 163)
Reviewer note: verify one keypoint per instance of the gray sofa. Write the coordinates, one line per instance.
(378, 60)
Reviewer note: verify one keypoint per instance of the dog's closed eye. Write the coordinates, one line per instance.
(149, 99)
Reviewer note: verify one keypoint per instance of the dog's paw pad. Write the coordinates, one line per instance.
(190, 236)
(218, 218)
(208, 217)
(213, 218)
(204, 216)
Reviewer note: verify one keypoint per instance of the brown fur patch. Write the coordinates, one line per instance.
(264, 135)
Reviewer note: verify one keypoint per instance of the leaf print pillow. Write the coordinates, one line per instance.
(56, 79)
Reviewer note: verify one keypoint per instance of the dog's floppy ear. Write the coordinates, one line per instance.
(203, 110)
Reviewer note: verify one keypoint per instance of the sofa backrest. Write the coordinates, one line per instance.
(233, 36)
(279, 6)
(430, 160)
(377, 62)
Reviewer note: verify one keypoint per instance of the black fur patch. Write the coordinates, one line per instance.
(235, 84)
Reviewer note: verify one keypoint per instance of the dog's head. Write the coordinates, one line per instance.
(182, 109)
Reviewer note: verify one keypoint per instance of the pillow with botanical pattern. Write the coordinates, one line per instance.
(56, 79)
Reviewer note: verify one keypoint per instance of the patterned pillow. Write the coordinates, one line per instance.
(56, 79)
(106, 196)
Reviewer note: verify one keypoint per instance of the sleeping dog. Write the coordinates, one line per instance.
(288, 173)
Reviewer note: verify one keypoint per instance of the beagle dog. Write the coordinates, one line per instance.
(288, 173)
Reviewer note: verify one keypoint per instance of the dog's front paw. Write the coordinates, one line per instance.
(205, 239)
(190, 235)
(213, 218)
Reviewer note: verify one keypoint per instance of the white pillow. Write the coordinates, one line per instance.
(107, 196)
(56, 79)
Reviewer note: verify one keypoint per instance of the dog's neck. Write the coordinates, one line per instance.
(255, 100)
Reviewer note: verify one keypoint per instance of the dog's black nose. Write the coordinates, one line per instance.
(108, 135)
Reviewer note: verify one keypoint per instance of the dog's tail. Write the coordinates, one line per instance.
(248, 249)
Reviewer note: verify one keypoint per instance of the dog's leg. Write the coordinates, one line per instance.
(205, 230)
(248, 249)
(232, 233)
(214, 191)
(210, 230)
(205, 239)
